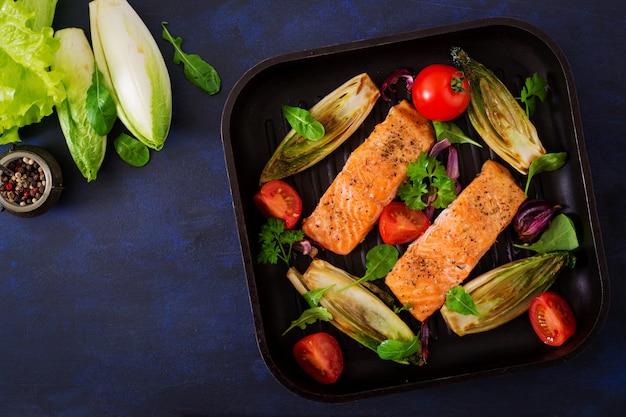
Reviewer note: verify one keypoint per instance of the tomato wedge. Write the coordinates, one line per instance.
(552, 318)
(320, 356)
(399, 224)
(279, 199)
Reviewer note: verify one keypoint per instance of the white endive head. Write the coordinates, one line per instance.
(133, 68)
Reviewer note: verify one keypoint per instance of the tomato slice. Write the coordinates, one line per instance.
(320, 356)
(440, 92)
(399, 224)
(279, 199)
(552, 318)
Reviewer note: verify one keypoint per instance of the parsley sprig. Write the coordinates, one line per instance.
(428, 184)
(277, 242)
(534, 87)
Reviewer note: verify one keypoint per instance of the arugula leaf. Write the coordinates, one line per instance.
(277, 242)
(303, 122)
(310, 316)
(395, 350)
(545, 163)
(131, 150)
(428, 184)
(378, 262)
(101, 109)
(314, 312)
(534, 87)
(452, 132)
(460, 301)
(560, 235)
(406, 307)
(198, 71)
(313, 297)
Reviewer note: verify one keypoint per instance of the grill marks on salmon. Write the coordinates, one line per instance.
(446, 253)
(369, 180)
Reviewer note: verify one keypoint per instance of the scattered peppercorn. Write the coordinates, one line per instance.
(22, 182)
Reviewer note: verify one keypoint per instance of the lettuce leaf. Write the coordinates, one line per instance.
(44, 12)
(29, 90)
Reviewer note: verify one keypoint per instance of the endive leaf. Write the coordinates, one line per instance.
(133, 69)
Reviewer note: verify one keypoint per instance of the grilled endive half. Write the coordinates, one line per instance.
(497, 116)
(506, 292)
(341, 112)
(356, 311)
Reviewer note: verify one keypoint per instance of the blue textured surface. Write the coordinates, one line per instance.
(129, 298)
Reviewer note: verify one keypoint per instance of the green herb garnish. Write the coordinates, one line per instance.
(534, 87)
(314, 312)
(560, 236)
(545, 163)
(131, 150)
(460, 301)
(428, 184)
(397, 350)
(303, 122)
(378, 262)
(197, 70)
(452, 132)
(277, 242)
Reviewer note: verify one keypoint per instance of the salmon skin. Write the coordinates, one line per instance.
(446, 253)
(369, 180)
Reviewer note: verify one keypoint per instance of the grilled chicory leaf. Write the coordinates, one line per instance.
(505, 292)
(341, 112)
(358, 313)
(497, 116)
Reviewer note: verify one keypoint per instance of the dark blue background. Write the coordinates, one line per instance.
(129, 297)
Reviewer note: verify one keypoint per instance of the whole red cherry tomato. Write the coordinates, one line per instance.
(279, 199)
(440, 92)
(320, 356)
(552, 318)
(399, 224)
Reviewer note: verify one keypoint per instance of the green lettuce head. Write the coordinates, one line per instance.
(29, 90)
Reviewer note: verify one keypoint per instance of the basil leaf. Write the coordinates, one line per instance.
(310, 316)
(131, 150)
(198, 71)
(100, 108)
(545, 163)
(396, 351)
(303, 122)
(378, 262)
(560, 235)
(460, 301)
(454, 134)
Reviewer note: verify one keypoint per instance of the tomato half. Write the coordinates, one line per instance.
(279, 199)
(320, 356)
(552, 318)
(440, 92)
(399, 224)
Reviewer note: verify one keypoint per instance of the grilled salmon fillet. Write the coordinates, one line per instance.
(451, 247)
(369, 180)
